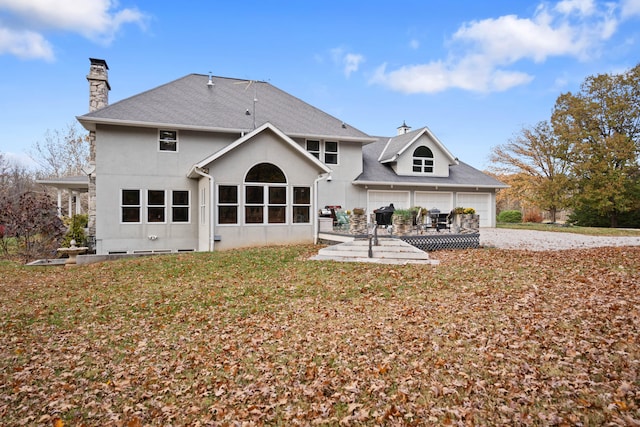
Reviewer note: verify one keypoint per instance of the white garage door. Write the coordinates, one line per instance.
(377, 199)
(435, 199)
(480, 202)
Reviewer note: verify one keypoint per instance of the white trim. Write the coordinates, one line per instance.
(200, 172)
(171, 206)
(89, 124)
(249, 136)
(163, 206)
(426, 184)
(384, 150)
(176, 140)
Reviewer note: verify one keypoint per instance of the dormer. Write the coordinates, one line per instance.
(417, 153)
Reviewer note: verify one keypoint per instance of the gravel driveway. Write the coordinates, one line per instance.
(548, 240)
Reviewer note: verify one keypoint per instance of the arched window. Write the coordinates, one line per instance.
(265, 193)
(423, 160)
(265, 172)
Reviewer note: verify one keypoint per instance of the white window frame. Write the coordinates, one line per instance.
(295, 205)
(321, 153)
(156, 206)
(332, 153)
(424, 162)
(221, 204)
(187, 207)
(167, 140)
(138, 206)
(266, 203)
(314, 152)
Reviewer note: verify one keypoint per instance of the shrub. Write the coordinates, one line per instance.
(469, 211)
(32, 221)
(510, 216)
(76, 224)
(586, 216)
(532, 217)
(403, 213)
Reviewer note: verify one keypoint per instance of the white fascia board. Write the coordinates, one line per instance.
(89, 123)
(384, 150)
(427, 184)
(257, 131)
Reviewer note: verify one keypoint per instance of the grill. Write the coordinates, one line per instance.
(383, 214)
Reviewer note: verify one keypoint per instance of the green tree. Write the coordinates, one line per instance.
(536, 161)
(600, 126)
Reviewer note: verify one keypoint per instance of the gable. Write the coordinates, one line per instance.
(417, 150)
(265, 144)
(460, 174)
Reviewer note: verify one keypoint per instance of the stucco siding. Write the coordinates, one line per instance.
(441, 161)
(129, 158)
(231, 169)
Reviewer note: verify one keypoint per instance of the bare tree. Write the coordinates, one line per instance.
(63, 153)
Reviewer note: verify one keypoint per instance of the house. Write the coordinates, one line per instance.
(205, 163)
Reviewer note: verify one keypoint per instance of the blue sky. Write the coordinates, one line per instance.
(474, 72)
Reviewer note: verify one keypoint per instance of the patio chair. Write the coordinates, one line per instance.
(342, 220)
(443, 222)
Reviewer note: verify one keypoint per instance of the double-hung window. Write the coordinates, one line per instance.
(331, 152)
(168, 140)
(327, 151)
(301, 205)
(156, 207)
(130, 207)
(313, 147)
(227, 204)
(179, 206)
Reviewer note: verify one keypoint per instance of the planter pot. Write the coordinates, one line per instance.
(401, 226)
(469, 222)
(358, 224)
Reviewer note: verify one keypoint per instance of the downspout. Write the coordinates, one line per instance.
(202, 173)
(315, 204)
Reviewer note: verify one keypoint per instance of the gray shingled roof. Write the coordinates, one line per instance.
(460, 175)
(397, 143)
(189, 102)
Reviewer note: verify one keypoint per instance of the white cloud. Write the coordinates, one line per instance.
(29, 20)
(630, 8)
(25, 44)
(582, 7)
(485, 52)
(414, 44)
(352, 62)
(349, 62)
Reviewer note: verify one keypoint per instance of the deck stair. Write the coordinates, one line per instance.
(388, 251)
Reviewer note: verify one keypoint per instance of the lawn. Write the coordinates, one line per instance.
(591, 231)
(265, 337)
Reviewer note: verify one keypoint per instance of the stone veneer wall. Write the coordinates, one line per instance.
(98, 98)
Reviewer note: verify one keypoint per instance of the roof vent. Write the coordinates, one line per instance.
(210, 83)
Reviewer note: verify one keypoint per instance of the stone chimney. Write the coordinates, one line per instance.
(98, 98)
(98, 84)
(404, 128)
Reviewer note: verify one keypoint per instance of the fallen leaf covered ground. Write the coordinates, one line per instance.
(266, 337)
